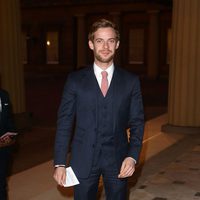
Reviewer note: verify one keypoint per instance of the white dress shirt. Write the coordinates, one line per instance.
(98, 70)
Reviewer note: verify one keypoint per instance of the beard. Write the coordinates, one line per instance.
(103, 60)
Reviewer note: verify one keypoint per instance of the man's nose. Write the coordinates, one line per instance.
(105, 45)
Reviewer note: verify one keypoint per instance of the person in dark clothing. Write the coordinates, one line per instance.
(104, 100)
(7, 134)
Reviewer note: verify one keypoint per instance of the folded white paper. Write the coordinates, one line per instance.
(10, 134)
(71, 178)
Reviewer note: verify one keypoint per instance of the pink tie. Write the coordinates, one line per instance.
(104, 83)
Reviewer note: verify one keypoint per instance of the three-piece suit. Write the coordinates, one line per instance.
(100, 141)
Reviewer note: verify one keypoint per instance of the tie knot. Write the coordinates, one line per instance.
(104, 74)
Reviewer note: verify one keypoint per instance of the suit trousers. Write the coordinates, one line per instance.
(5, 156)
(104, 165)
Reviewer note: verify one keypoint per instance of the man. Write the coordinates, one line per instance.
(7, 132)
(104, 101)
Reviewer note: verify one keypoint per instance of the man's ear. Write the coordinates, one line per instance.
(117, 46)
(91, 45)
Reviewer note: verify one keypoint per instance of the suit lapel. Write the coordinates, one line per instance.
(89, 83)
(90, 87)
(117, 94)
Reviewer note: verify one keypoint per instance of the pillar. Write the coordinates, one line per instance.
(116, 20)
(12, 77)
(184, 77)
(81, 41)
(153, 45)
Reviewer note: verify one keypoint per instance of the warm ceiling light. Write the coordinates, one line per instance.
(48, 43)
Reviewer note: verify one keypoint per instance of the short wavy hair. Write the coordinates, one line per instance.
(103, 23)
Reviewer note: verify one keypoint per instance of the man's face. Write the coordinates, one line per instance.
(104, 45)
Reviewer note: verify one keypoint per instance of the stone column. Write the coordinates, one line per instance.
(153, 44)
(81, 41)
(12, 77)
(184, 78)
(12, 72)
(116, 20)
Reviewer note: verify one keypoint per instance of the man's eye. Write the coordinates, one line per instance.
(99, 41)
(112, 41)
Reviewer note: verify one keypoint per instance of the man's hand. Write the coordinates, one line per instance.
(127, 168)
(7, 139)
(60, 175)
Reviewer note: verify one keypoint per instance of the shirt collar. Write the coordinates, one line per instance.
(98, 70)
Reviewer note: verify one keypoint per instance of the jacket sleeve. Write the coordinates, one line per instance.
(66, 114)
(136, 121)
(7, 115)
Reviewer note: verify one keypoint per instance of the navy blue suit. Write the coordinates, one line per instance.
(100, 135)
(6, 125)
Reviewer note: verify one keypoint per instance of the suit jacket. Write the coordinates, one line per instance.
(79, 102)
(6, 120)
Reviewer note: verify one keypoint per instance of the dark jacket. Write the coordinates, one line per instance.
(6, 118)
(79, 102)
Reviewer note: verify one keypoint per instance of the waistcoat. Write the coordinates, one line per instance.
(105, 136)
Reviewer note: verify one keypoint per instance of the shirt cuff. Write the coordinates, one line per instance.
(133, 160)
(59, 166)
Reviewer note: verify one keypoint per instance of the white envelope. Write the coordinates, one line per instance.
(71, 178)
